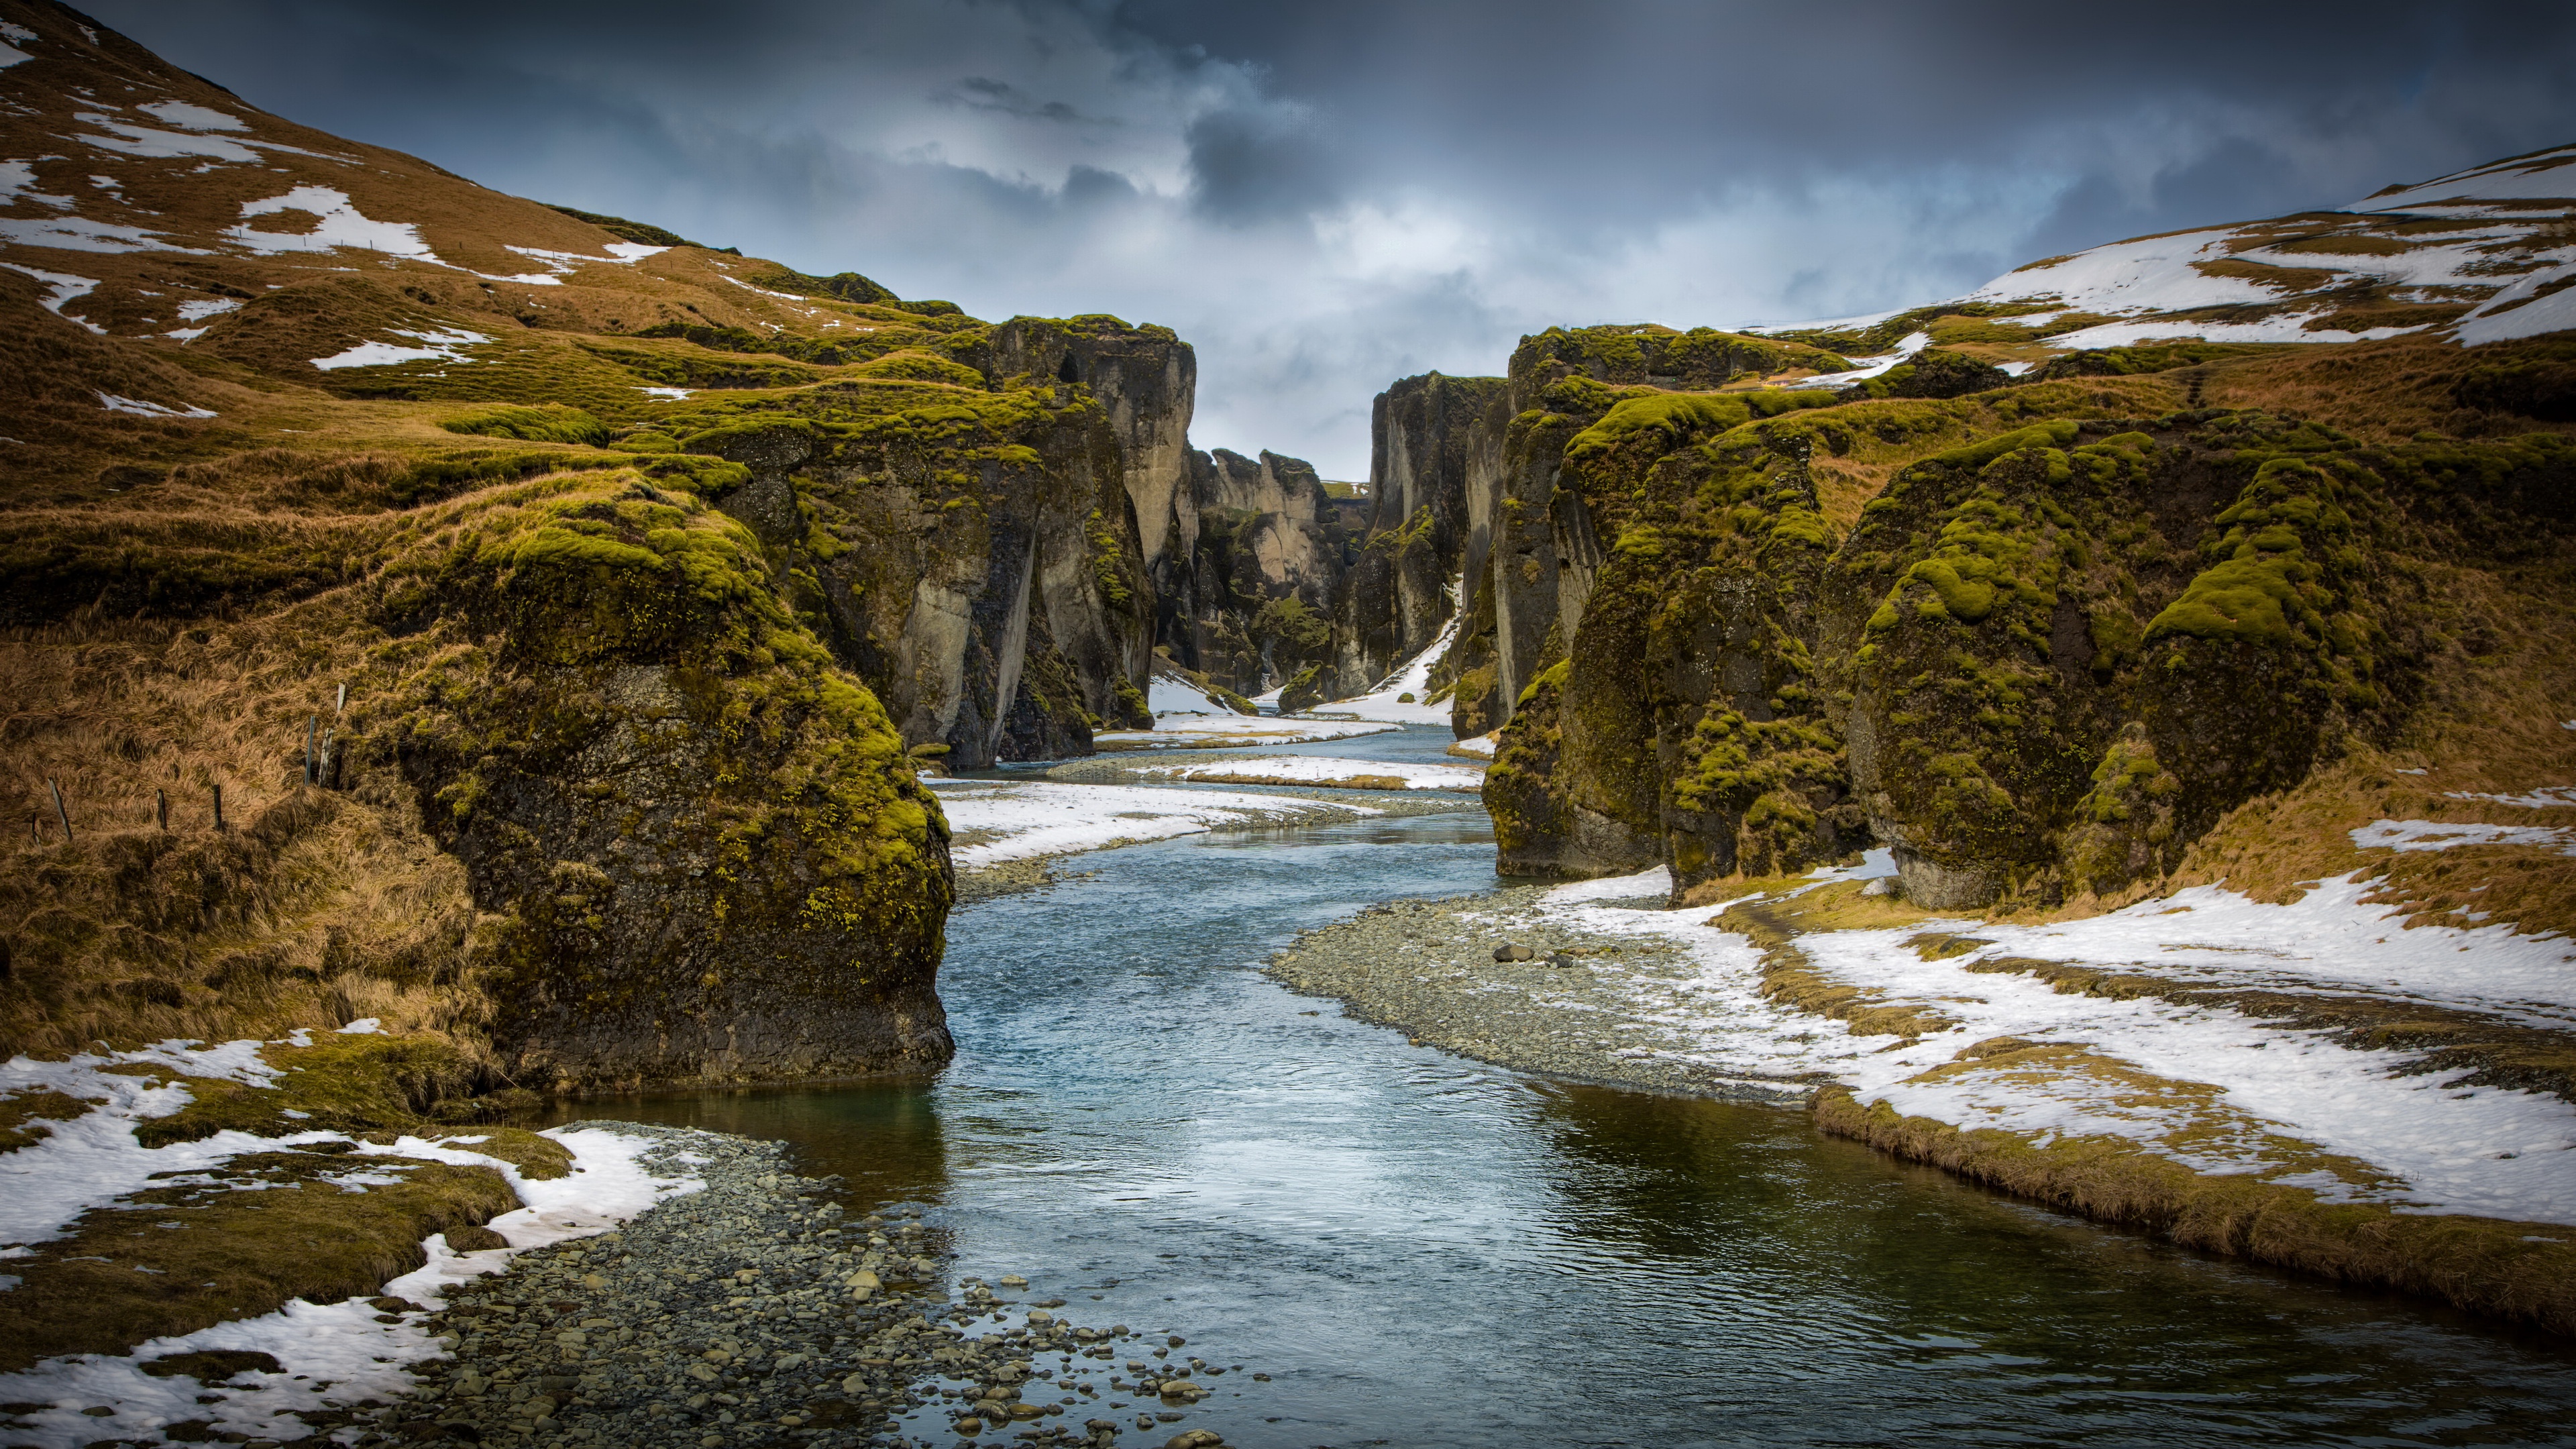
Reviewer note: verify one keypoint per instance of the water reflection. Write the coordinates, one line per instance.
(1432, 1252)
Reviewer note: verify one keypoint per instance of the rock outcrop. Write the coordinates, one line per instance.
(2056, 645)
(698, 849)
(1431, 452)
(1249, 604)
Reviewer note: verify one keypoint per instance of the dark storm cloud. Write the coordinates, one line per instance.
(985, 94)
(1331, 194)
(1251, 166)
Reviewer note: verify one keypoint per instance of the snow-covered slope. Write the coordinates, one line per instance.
(2481, 254)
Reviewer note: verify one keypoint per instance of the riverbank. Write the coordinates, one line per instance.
(756, 1310)
(659, 1287)
(1013, 835)
(2204, 1068)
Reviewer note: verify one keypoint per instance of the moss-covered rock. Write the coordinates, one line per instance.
(702, 851)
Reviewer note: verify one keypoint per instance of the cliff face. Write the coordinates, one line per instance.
(700, 853)
(972, 557)
(1431, 516)
(1248, 605)
(2072, 628)
(646, 567)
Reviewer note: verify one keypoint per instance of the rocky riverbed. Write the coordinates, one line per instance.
(760, 1311)
(1589, 1005)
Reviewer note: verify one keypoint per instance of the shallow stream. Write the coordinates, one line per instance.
(1428, 1251)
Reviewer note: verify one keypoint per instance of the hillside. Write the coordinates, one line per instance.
(547, 605)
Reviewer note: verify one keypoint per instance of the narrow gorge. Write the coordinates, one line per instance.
(619, 843)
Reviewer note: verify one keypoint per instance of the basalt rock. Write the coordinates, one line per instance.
(1422, 531)
(1265, 551)
(2040, 663)
(700, 854)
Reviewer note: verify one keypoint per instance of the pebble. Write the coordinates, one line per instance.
(757, 1312)
(1496, 978)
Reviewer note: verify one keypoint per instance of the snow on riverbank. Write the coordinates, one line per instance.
(999, 821)
(1170, 694)
(1324, 770)
(328, 1357)
(1235, 732)
(2209, 1087)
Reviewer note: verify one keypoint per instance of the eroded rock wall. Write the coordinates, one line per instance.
(1429, 522)
(698, 850)
(1267, 551)
(2052, 649)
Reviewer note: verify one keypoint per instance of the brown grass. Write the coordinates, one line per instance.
(1773, 926)
(313, 907)
(2518, 1271)
(2381, 392)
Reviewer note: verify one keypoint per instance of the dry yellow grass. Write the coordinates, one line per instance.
(2517, 1271)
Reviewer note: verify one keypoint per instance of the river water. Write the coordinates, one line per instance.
(1428, 1251)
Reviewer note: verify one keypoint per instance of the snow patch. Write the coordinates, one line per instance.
(2545, 175)
(1015, 822)
(1413, 677)
(1236, 731)
(444, 343)
(15, 179)
(129, 139)
(1869, 367)
(80, 234)
(341, 225)
(2411, 835)
(1171, 694)
(140, 408)
(65, 288)
(191, 117)
(338, 1355)
(1324, 770)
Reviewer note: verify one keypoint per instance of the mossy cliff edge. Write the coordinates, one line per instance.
(2037, 638)
(621, 592)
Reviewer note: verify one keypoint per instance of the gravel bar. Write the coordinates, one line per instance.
(1582, 1007)
(759, 1311)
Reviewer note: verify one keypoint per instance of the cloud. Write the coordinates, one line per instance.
(1327, 196)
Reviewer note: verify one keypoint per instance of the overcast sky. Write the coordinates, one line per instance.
(1326, 197)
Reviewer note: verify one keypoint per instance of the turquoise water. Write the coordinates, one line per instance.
(1428, 1251)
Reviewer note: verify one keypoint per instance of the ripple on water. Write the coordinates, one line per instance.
(1437, 1252)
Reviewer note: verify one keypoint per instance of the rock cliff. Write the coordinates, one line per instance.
(650, 573)
(1431, 456)
(1248, 601)
(2036, 639)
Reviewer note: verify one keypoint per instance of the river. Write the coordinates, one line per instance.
(1423, 1250)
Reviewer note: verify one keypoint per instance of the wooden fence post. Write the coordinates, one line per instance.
(311, 723)
(342, 706)
(60, 813)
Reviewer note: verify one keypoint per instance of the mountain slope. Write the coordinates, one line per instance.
(612, 578)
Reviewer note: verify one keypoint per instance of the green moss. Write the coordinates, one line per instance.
(235, 1240)
(2055, 433)
(550, 424)
(1108, 558)
(338, 1084)
(2266, 587)
(1671, 417)
(922, 367)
